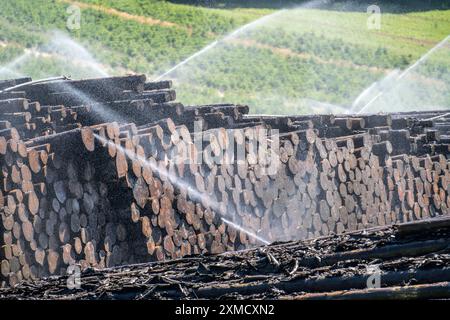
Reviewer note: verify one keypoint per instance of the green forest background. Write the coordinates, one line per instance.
(309, 58)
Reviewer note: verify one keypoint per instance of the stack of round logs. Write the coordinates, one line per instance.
(83, 189)
(57, 211)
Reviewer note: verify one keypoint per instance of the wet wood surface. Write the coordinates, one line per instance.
(103, 173)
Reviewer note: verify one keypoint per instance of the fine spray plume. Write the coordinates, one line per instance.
(100, 110)
(60, 54)
(211, 64)
(419, 87)
(10, 69)
(67, 55)
(213, 59)
(179, 183)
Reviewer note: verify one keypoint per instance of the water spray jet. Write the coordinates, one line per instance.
(183, 185)
(107, 114)
(239, 31)
(59, 47)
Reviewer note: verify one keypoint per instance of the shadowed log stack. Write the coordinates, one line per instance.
(107, 172)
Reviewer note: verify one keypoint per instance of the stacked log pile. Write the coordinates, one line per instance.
(113, 171)
(409, 261)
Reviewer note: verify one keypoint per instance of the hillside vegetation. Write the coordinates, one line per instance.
(280, 65)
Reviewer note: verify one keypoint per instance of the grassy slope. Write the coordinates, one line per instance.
(120, 42)
(327, 44)
(324, 55)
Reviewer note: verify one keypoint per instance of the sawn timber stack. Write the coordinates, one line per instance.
(108, 172)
